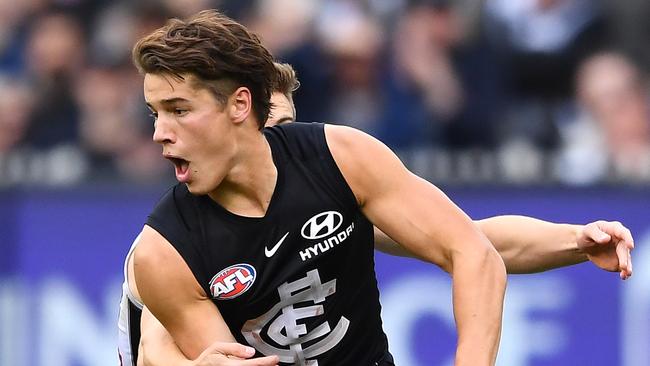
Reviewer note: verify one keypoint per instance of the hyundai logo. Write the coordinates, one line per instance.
(322, 225)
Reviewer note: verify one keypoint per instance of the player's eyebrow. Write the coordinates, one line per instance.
(170, 101)
(173, 100)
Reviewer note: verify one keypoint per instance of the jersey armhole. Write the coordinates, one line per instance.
(185, 255)
(337, 171)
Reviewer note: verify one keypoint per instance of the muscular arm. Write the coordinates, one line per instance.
(526, 244)
(532, 245)
(172, 294)
(529, 245)
(427, 223)
(157, 348)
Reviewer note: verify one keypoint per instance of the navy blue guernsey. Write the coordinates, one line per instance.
(299, 282)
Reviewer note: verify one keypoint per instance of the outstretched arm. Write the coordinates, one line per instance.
(427, 223)
(529, 245)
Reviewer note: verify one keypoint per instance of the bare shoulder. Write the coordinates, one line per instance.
(171, 292)
(153, 250)
(158, 266)
(366, 163)
(347, 139)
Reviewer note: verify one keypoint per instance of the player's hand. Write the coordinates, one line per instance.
(608, 245)
(232, 354)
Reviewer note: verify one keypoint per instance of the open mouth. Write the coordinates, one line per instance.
(182, 168)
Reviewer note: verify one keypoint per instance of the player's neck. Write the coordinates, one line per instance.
(247, 188)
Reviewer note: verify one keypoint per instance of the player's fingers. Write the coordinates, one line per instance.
(599, 232)
(622, 252)
(231, 349)
(260, 361)
(619, 231)
(626, 244)
(628, 269)
(623, 233)
(624, 274)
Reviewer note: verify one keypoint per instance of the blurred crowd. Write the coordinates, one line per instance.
(504, 91)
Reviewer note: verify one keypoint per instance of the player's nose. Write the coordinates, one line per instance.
(163, 133)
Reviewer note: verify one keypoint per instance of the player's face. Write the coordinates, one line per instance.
(194, 129)
(282, 111)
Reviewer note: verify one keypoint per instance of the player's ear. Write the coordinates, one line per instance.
(240, 104)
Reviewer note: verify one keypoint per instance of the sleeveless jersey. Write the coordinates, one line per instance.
(299, 282)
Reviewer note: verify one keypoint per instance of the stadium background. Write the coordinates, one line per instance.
(510, 106)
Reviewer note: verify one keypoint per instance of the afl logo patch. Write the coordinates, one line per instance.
(232, 281)
(322, 225)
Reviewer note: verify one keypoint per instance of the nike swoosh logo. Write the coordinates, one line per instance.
(269, 253)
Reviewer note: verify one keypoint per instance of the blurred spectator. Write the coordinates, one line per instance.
(424, 40)
(632, 28)
(184, 8)
(19, 164)
(117, 143)
(287, 27)
(14, 22)
(54, 55)
(117, 28)
(542, 42)
(423, 87)
(612, 135)
(483, 87)
(445, 83)
(15, 104)
(352, 41)
(283, 25)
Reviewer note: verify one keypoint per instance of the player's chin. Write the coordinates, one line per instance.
(196, 189)
(200, 187)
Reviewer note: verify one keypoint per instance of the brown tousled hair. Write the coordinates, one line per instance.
(286, 81)
(220, 53)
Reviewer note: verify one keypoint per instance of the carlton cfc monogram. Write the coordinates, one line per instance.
(286, 331)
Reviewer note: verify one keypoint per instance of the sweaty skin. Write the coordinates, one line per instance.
(527, 245)
(219, 151)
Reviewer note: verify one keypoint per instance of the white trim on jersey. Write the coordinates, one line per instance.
(123, 324)
(137, 302)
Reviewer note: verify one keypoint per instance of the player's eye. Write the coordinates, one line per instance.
(180, 112)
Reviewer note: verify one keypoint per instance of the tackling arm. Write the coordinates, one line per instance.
(529, 245)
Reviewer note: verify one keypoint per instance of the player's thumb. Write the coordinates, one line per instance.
(231, 349)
